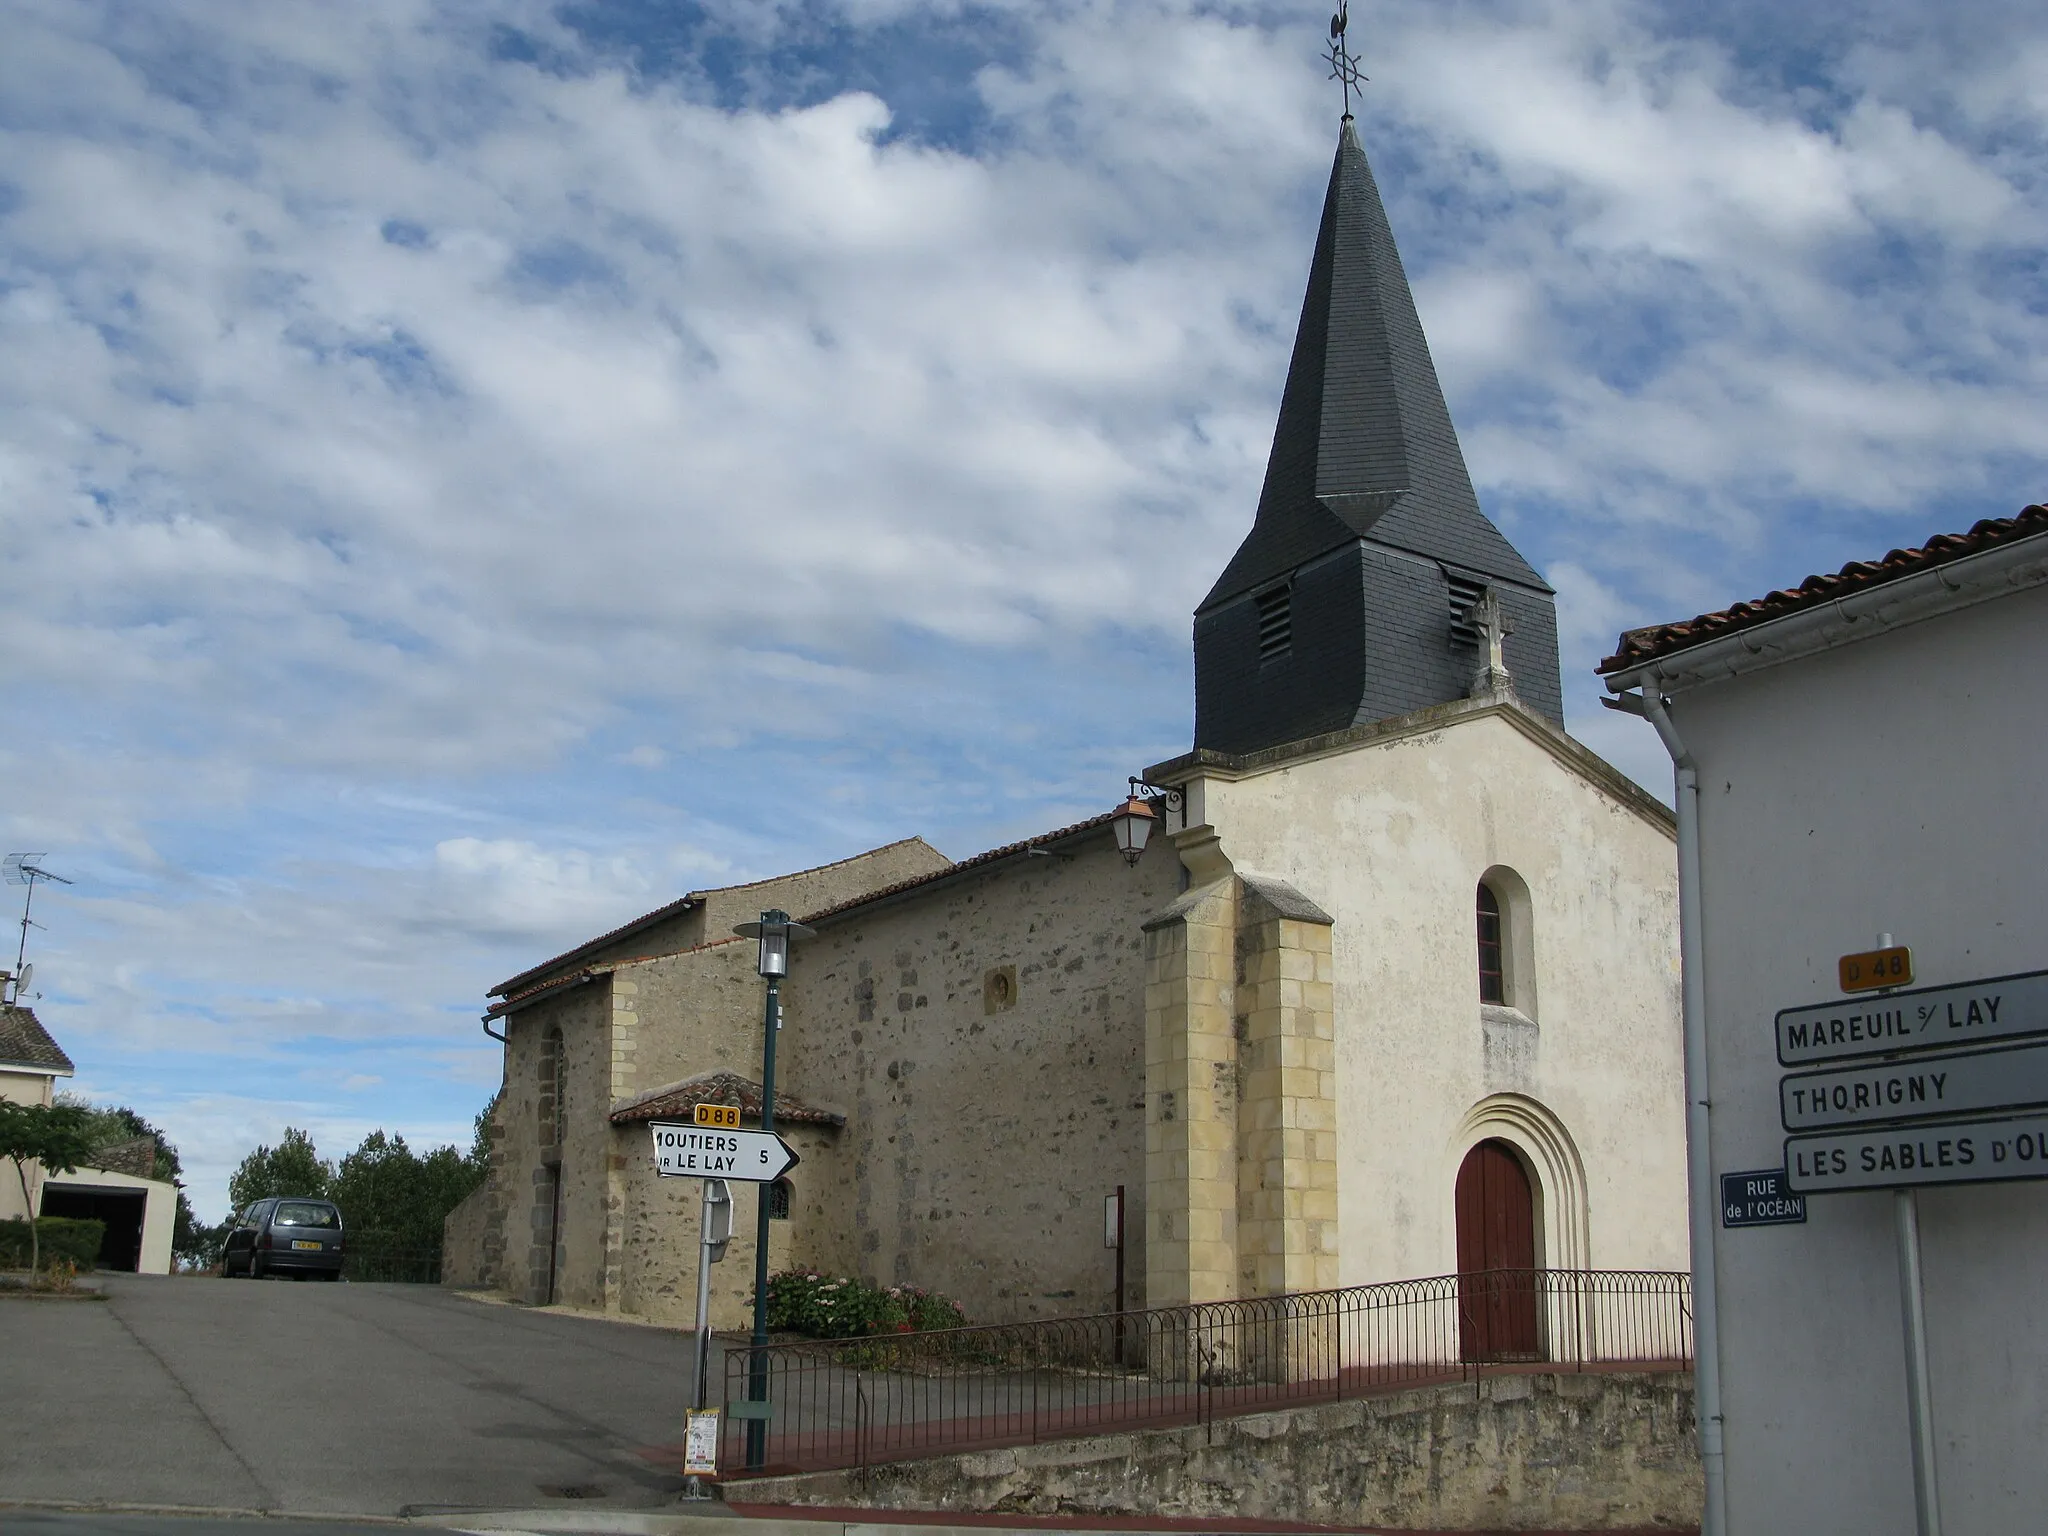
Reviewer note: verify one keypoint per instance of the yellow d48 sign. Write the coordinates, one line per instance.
(723, 1115)
(1876, 968)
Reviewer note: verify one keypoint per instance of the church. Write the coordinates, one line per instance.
(1377, 981)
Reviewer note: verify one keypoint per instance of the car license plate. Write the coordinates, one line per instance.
(300, 1242)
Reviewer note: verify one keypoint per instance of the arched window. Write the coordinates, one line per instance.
(1493, 986)
(549, 1096)
(778, 1200)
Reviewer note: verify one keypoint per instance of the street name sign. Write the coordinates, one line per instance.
(693, 1152)
(1918, 1088)
(1759, 1198)
(1963, 1152)
(1925, 1019)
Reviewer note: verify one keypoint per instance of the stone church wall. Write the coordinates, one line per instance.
(585, 1139)
(985, 1036)
(646, 1023)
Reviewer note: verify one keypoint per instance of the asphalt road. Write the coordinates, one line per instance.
(293, 1398)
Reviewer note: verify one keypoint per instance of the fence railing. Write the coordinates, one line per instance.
(371, 1255)
(853, 1402)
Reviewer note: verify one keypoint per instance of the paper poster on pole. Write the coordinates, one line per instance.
(700, 1443)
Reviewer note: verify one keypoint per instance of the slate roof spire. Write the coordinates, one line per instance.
(1364, 445)
(1364, 459)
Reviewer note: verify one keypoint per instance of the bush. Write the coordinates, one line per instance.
(62, 1238)
(821, 1306)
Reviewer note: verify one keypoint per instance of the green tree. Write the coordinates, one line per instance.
(54, 1135)
(108, 1125)
(292, 1167)
(384, 1186)
(198, 1244)
(480, 1145)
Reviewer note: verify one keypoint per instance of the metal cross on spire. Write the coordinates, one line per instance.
(1342, 65)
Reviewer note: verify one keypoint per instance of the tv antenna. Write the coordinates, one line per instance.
(25, 869)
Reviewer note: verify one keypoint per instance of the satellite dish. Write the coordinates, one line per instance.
(21, 982)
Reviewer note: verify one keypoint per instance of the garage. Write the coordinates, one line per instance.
(122, 1210)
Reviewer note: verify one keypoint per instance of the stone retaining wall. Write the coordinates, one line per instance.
(1548, 1451)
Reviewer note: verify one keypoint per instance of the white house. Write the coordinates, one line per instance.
(1861, 758)
(140, 1212)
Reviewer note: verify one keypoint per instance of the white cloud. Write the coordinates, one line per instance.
(453, 505)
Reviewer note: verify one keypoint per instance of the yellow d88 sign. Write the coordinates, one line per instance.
(1876, 968)
(725, 1115)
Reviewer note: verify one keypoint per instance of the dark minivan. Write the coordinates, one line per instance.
(292, 1236)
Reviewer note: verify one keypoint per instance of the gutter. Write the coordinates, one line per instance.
(1702, 1201)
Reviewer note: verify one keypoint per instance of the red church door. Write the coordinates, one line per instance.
(1496, 1257)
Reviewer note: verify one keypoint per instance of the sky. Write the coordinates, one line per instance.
(470, 473)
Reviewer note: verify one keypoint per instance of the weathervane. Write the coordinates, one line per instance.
(1342, 65)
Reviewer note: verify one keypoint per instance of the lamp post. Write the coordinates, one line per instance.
(774, 931)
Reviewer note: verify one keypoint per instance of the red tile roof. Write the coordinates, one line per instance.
(1639, 645)
(679, 1099)
(680, 904)
(1007, 851)
(591, 973)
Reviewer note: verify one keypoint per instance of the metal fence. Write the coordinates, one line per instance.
(372, 1255)
(853, 1402)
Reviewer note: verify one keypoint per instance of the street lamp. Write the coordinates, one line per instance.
(774, 930)
(1136, 818)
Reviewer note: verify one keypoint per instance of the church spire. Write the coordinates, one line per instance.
(1364, 446)
(1365, 466)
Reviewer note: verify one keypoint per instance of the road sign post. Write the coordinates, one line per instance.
(714, 1230)
(713, 1148)
(1915, 1116)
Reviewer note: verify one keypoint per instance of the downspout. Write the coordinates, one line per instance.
(1703, 1201)
(491, 1032)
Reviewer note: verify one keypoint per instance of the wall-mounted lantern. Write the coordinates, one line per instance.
(1140, 815)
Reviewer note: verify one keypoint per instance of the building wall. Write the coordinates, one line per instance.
(1891, 785)
(813, 890)
(159, 1209)
(1583, 1074)
(714, 913)
(21, 1088)
(643, 1024)
(661, 1230)
(525, 1166)
(986, 1038)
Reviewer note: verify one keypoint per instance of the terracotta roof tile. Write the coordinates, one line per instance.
(591, 973)
(679, 905)
(25, 1043)
(1007, 851)
(1639, 645)
(679, 1099)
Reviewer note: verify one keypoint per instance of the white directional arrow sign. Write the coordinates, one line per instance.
(699, 1152)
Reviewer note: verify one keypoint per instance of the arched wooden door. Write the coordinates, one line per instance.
(1496, 1257)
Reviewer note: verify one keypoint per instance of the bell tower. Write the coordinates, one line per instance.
(1371, 584)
